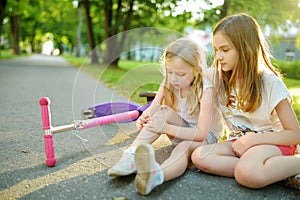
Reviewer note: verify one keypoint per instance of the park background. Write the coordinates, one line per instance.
(112, 39)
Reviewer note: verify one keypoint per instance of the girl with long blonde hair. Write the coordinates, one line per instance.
(183, 109)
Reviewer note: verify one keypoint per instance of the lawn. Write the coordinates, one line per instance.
(294, 87)
(134, 77)
(7, 54)
(130, 79)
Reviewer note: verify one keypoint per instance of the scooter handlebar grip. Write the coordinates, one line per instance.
(45, 110)
(49, 148)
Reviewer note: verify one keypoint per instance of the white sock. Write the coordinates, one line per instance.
(131, 150)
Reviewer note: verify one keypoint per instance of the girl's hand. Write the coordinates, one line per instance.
(141, 121)
(156, 124)
(242, 144)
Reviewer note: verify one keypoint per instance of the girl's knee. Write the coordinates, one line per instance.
(161, 110)
(204, 158)
(249, 176)
(195, 158)
(200, 162)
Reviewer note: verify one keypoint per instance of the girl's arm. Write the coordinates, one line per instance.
(290, 135)
(143, 119)
(291, 131)
(200, 132)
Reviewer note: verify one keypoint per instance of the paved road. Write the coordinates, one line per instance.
(82, 157)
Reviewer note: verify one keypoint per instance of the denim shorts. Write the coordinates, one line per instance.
(210, 139)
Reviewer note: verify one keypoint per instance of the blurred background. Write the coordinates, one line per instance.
(121, 34)
(75, 27)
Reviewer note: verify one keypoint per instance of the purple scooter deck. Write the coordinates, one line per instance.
(111, 108)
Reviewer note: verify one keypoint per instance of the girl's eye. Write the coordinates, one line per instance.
(180, 74)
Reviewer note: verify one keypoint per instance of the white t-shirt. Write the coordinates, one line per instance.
(265, 118)
(192, 121)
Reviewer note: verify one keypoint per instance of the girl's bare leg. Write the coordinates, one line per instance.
(217, 159)
(126, 165)
(179, 159)
(263, 165)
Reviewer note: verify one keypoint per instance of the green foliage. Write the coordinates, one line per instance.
(298, 41)
(7, 54)
(41, 17)
(274, 13)
(288, 69)
(291, 73)
(60, 18)
(130, 79)
(294, 87)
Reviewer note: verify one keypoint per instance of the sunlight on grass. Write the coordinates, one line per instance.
(6, 54)
(294, 87)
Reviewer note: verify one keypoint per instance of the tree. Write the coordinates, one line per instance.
(15, 36)
(90, 33)
(2, 13)
(78, 34)
(121, 16)
(274, 13)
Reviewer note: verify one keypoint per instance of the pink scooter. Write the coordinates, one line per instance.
(95, 115)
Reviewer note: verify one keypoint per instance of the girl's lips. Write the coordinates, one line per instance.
(175, 85)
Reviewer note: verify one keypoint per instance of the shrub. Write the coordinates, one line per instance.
(288, 69)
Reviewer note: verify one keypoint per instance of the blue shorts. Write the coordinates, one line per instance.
(210, 139)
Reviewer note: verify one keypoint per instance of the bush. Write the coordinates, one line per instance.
(288, 69)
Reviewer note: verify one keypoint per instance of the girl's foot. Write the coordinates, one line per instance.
(149, 173)
(126, 165)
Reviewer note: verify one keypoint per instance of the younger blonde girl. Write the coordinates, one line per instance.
(183, 109)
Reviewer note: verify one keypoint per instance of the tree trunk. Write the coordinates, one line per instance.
(224, 10)
(15, 30)
(114, 44)
(78, 35)
(90, 34)
(2, 13)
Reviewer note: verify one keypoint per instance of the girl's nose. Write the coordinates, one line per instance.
(219, 56)
(174, 77)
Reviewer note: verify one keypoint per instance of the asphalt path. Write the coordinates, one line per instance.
(83, 157)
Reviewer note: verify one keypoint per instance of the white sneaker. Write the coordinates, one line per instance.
(125, 166)
(149, 173)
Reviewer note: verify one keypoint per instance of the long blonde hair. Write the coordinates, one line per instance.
(194, 56)
(245, 35)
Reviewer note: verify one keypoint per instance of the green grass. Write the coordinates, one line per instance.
(294, 87)
(6, 54)
(130, 79)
